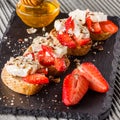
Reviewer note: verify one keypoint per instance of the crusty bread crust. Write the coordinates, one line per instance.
(99, 37)
(18, 85)
(79, 50)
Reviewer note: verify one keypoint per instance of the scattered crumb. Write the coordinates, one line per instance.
(5, 37)
(77, 60)
(20, 40)
(12, 104)
(46, 34)
(56, 80)
(93, 60)
(43, 29)
(31, 30)
(26, 39)
(31, 105)
(56, 96)
(94, 52)
(30, 38)
(68, 108)
(108, 52)
(21, 101)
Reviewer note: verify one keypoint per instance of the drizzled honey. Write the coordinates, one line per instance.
(39, 15)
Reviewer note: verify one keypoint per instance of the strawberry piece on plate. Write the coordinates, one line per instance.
(66, 40)
(36, 79)
(94, 76)
(74, 88)
(60, 64)
(46, 56)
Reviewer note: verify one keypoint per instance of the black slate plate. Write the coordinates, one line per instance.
(94, 106)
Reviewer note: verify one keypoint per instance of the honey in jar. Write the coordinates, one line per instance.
(38, 15)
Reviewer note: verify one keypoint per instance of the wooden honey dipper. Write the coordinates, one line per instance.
(32, 2)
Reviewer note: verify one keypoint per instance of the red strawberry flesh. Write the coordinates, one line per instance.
(46, 56)
(36, 79)
(94, 76)
(74, 88)
(66, 40)
(60, 64)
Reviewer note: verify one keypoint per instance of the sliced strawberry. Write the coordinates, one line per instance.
(89, 22)
(109, 26)
(97, 28)
(45, 56)
(60, 64)
(36, 79)
(43, 71)
(48, 49)
(93, 75)
(66, 40)
(93, 26)
(69, 24)
(81, 42)
(74, 88)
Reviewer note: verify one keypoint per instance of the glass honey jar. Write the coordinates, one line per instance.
(38, 15)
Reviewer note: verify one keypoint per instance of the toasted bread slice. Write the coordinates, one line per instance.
(79, 50)
(18, 85)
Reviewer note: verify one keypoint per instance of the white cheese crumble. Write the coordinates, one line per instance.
(22, 66)
(59, 49)
(97, 16)
(59, 25)
(81, 15)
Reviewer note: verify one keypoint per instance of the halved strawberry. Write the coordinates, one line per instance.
(66, 40)
(36, 79)
(60, 64)
(74, 88)
(69, 24)
(93, 75)
(46, 56)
